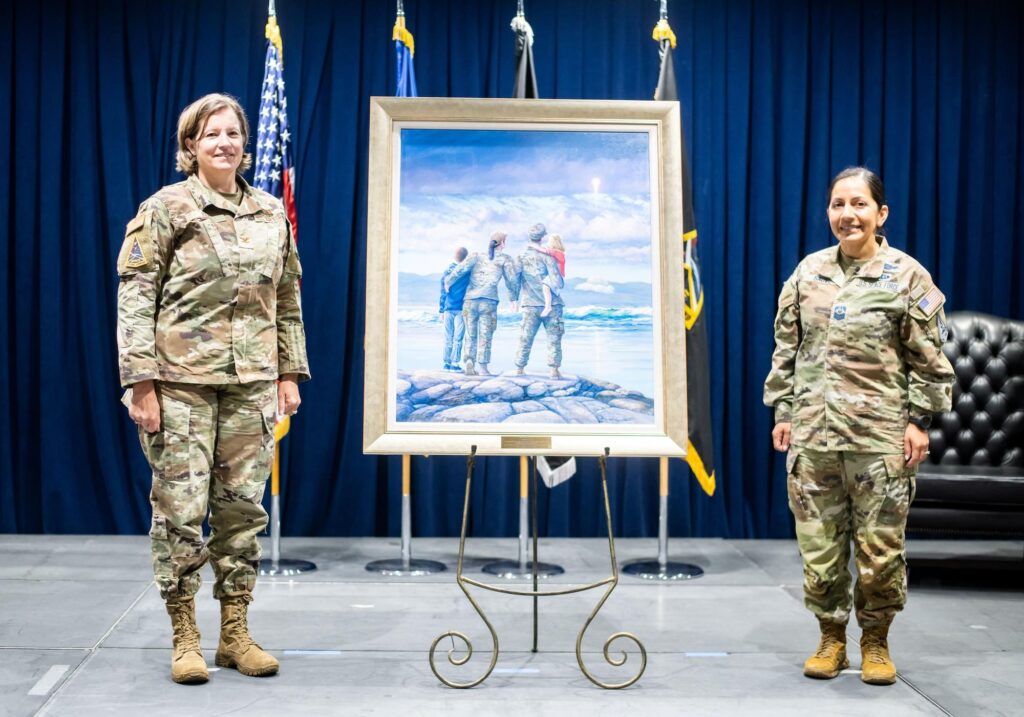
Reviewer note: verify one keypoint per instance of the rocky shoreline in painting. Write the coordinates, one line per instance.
(448, 397)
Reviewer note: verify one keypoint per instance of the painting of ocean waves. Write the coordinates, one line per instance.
(460, 187)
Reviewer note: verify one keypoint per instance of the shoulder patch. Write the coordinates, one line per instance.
(136, 255)
(931, 302)
(943, 328)
(136, 252)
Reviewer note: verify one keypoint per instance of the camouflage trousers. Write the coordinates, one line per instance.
(481, 318)
(837, 498)
(212, 456)
(554, 325)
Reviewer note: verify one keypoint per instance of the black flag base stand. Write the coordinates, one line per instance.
(662, 569)
(521, 570)
(655, 570)
(459, 655)
(275, 566)
(285, 567)
(406, 565)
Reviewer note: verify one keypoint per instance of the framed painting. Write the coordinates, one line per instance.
(524, 289)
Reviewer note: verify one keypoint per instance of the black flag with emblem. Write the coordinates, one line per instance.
(553, 469)
(700, 451)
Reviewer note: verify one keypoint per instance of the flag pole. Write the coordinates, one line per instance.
(405, 565)
(662, 568)
(523, 567)
(507, 568)
(278, 566)
(524, 494)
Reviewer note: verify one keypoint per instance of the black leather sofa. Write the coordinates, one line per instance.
(972, 483)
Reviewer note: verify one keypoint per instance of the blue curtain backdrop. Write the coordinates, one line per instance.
(777, 96)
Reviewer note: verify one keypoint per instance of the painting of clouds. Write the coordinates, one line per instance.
(591, 187)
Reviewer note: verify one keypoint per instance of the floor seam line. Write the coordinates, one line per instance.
(915, 688)
(91, 651)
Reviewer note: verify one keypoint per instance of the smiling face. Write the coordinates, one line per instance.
(219, 146)
(854, 216)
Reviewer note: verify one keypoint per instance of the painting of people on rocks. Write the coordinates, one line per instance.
(525, 278)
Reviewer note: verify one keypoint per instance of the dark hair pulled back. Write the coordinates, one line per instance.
(871, 179)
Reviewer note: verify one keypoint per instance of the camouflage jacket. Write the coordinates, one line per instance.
(535, 269)
(209, 292)
(853, 359)
(485, 274)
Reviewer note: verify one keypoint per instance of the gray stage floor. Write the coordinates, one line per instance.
(83, 632)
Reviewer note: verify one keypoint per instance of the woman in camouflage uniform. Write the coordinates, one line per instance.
(480, 308)
(857, 373)
(210, 346)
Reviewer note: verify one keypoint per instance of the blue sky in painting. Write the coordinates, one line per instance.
(592, 187)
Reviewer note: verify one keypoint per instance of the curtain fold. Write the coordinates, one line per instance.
(777, 95)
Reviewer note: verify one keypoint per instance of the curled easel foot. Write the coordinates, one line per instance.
(467, 646)
(459, 655)
(613, 661)
(452, 653)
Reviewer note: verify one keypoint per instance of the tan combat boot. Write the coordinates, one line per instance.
(830, 658)
(187, 663)
(876, 666)
(236, 648)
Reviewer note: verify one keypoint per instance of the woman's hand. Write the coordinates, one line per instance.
(145, 406)
(915, 445)
(781, 435)
(288, 395)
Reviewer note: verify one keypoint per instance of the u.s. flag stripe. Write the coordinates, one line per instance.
(274, 171)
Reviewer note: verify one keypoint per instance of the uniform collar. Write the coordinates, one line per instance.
(831, 268)
(206, 197)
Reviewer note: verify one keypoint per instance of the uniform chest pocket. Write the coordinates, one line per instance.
(265, 239)
(200, 252)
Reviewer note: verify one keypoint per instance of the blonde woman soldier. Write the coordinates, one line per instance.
(210, 347)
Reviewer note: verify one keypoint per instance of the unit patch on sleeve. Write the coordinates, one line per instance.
(136, 255)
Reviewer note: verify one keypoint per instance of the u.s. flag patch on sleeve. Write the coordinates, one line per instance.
(931, 302)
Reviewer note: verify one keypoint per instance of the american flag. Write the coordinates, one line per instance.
(275, 172)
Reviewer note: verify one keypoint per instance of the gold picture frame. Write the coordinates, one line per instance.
(446, 172)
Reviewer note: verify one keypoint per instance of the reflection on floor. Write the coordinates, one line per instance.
(83, 632)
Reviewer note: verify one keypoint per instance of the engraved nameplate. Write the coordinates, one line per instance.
(526, 442)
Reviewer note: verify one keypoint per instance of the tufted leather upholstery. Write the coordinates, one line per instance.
(986, 425)
(973, 480)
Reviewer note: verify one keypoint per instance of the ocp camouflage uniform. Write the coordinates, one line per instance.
(209, 308)
(480, 307)
(535, 270)
(854, 358)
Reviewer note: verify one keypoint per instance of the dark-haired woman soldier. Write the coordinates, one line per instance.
(857, 373)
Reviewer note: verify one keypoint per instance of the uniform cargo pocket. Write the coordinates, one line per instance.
(174, 415)
(169, 448)
(798, 504)
(899, 491)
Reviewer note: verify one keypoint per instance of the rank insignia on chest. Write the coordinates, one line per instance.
(839, 312)
(136, 256)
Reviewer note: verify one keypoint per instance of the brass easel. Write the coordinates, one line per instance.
(463, 582)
